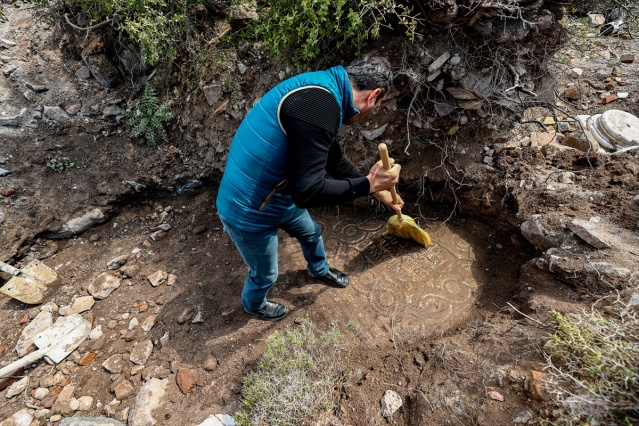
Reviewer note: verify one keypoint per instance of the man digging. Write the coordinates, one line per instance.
(276, 170)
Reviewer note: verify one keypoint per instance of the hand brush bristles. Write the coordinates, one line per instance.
(405, 227)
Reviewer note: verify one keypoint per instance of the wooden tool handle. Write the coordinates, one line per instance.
(4, 267)
(383, 152)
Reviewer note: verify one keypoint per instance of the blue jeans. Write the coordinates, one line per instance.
(259, 251)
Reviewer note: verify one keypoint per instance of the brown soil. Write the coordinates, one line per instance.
(439, 326)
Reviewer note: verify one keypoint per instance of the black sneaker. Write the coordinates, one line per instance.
(272, 311)
(334, 278)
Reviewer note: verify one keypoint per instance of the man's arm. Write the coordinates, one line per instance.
(310, 155)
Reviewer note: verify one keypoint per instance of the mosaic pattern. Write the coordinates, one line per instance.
(396, 283)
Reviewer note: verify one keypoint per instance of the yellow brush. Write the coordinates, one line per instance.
(401, 225)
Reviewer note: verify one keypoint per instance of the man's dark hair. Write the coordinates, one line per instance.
(371, 72)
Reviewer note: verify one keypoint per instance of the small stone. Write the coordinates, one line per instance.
(171, 280)
(62, 403)
(130, 271)
(85, 403)
(187, 379)
(157, 235)
(55, 418)
(21, 418)
(55, 113)
(112, 111)
(576, 72)
(103, 286)
(96, 333)
(79, 304)
(87, 358)
(439, 62)
(7, 192)
(6, 44)
(627, 58)
(609, 98)
(537, 379)
(74, 404)
(523, 418)
(158, 278)
(200, 229)
(213, 93)
(616, 72)
(493, 394)
(118, 262)
(149, 322)
(133, 323)
(596, 20)
(141, 352)
(114, 364)
(210, 363)
(123, 389)
(83, 73)
(391, 402)
(40, 393)
(17, 388)
(148, 399)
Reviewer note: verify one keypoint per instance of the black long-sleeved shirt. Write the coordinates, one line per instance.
(310, 118)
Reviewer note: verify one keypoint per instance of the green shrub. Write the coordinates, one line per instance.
(593, 368)
(296, 378)
(147, 117)
(303, 29)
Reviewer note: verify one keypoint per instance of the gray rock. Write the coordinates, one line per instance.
(439, 62)
(219, 420)
(213, 93)
(21, 418)
(391, 401)
(579, 140)
(606, 269)
(6, 44)
(83, 73)
(89, 421)
(141, 352)
(148, 399)
(80, 224)
(523, 417)
(38, 88)
(374, 134)
(56, 113)
(112, 111)
(18, 387)
(114, 364)
(118, 262)
(103, 286)
(15, 120)
(31, 96)
(4, 172)
(589, 232)
(536, 234)
(104, 72)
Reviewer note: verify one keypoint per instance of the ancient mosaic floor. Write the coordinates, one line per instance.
(396, 286)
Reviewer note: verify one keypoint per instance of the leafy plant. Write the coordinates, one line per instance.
(60, 163)
(302, 29)
(593, 368)
(147, 117)
(296, 378)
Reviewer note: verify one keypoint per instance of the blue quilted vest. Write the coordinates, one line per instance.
(253, 193)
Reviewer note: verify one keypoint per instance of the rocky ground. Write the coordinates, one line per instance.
(544, 226)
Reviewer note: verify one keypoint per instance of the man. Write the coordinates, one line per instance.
(276, 170)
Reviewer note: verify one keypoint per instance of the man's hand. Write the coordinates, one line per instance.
(386, 198)
(382, 180)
